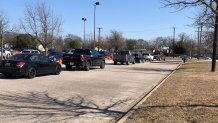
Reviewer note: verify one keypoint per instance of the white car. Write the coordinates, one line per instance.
(148, 56)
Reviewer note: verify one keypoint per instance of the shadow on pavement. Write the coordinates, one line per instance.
(41, 107)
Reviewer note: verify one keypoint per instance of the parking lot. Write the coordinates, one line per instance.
(98, 95)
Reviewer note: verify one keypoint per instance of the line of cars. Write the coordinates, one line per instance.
(31, 63)
(128, 57)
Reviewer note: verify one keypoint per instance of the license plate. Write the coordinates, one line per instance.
(7, 64)
(71, 63)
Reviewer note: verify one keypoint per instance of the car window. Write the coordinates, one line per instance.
(35, 58)
(123, 52)
(95, 53)
(25, 51)
(21, 57)
(44, 59)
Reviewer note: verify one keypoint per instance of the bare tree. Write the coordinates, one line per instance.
(3, 28)
(211, 5)
(116, 40)
(181, 4)
(41, 23)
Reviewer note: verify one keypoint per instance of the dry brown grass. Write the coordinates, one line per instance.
(190, 95)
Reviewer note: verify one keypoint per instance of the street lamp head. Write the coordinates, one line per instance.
(97, 3)
(84, 19)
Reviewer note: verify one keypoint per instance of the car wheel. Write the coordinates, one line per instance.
(31, 73)
(102, 65)
(133, 62)
(57, 70)
(115, 63)
(143, 61)
(7, 74)
(68, 67)
(87, 67)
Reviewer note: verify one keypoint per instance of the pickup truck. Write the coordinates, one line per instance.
(159, 56)
(124, 57)
(83, 58)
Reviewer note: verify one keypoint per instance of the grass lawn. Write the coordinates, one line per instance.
(190, 95)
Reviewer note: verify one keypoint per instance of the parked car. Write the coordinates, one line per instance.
(83, 58)
(139, 57)
(148, 56)
(30, 51)
(29, 65)
(159, 56)
(57, 55)
(124, 56)
(106, 54)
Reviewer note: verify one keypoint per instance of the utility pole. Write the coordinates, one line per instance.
(1, 34)
(174, 35)
(213, 66)
(200, 40)
(99, 36)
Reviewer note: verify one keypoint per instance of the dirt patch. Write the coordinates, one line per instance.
(190, 95)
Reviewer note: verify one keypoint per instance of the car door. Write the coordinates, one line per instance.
(39, 64)
(99, 58)
(47, 65)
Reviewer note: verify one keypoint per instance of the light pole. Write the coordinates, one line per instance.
(84, 36)
(99, 36)
(96, 4)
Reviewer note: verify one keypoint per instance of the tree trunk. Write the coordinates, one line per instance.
(213, 67)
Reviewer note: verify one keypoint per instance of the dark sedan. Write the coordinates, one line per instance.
(29, 65)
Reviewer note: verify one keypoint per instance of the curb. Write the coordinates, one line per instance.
(141, 99)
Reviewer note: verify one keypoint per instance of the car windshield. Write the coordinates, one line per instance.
(26, 51)
(123, 52)
(82, 51)
(20, 57)
(55, 53)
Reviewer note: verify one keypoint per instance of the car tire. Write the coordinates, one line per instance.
(102, 65)
(7, 74)
(31, 73)
(143, 61)
(57, 70)
(133, 62)
(87, 67)
(127, 63)
(68, 67)
(115, 63)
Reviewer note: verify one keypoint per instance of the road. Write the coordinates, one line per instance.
(95, 96)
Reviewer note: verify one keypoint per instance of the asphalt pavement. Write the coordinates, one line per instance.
(95, 96)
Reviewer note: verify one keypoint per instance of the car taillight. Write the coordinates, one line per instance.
(20, 64)
(81, 58)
